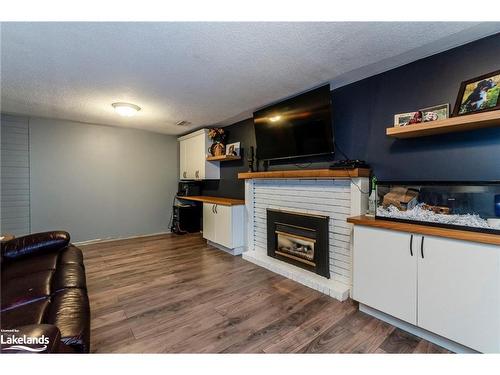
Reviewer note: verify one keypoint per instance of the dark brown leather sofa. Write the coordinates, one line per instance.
(44, 292)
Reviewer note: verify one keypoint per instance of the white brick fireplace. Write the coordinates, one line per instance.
(336, 198)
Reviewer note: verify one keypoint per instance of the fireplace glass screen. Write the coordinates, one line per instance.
(296, 247)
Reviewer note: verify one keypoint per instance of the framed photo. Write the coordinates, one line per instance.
(442, 112)
(402, 119)
(233, 149)
(478, 95)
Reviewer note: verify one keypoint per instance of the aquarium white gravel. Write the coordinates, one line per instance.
(421, 214)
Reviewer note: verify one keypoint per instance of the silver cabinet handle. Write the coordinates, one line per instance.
(197, 174)
(216, 209)
(213, 208)
(184, 174)
(411, 245)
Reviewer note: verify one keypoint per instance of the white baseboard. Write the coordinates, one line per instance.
(235, 251)
(102, 240)
(417, 331)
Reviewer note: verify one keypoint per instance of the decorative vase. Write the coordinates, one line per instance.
(217, 149)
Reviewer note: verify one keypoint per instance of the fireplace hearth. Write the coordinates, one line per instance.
(299, 239)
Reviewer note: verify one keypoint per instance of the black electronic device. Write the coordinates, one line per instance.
(296, 127)
(349, 164)
(188, 188)
(186, 218)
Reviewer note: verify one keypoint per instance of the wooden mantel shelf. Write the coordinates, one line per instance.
(213, 200)
(492, 239)
(308, 173)
(449, 125)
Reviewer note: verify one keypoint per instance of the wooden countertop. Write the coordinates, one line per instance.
(308, 173)
(214, 200)
(487, 238)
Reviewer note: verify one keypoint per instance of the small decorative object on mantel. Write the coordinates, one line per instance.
(251, 159)
(218, 136)
(479, 94)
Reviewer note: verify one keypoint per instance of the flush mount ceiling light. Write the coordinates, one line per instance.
(126, 109)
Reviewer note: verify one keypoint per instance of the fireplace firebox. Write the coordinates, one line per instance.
(299, 239)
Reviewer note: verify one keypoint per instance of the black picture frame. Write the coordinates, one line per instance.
(461, 92)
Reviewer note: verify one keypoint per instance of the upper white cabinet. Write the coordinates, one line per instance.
(193, 150)
(445, 286)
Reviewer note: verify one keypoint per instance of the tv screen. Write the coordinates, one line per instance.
(296, 127)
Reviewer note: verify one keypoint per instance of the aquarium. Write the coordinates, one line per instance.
(471, 206)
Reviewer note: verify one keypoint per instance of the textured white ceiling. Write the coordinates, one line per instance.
(205, 73)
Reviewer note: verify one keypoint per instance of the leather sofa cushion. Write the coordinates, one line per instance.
(71, 255)
(29, 313)
(69, 276)
(70, 312)
(21, 290)
(29, 265)
(34, 244)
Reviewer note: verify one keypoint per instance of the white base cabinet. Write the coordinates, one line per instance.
(445, 286)
(459, 292)
(224, 225)
(381, 265)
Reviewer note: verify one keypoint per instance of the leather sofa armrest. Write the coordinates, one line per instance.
(34, 338)
(36, 243)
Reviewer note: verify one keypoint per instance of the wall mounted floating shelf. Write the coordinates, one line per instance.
(450, 125)
(223, 158)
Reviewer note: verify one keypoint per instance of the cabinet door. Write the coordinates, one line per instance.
(197, 158)
(208, 222)
(385, 272)
(182, 159)
(190, 162)
(223, 226)
(459, 292)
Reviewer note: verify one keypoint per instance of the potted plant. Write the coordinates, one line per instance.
(218, 136)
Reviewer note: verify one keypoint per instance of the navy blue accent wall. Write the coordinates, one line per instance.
(364, 109)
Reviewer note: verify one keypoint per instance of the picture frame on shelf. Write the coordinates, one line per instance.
(478, 94)
(441, 111)
(402, 119)
(233, 149)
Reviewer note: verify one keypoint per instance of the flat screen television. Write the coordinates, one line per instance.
(296, 127)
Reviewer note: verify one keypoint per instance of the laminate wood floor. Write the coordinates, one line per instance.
(176, 294)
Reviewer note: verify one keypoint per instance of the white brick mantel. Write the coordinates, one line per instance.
(336, 198)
